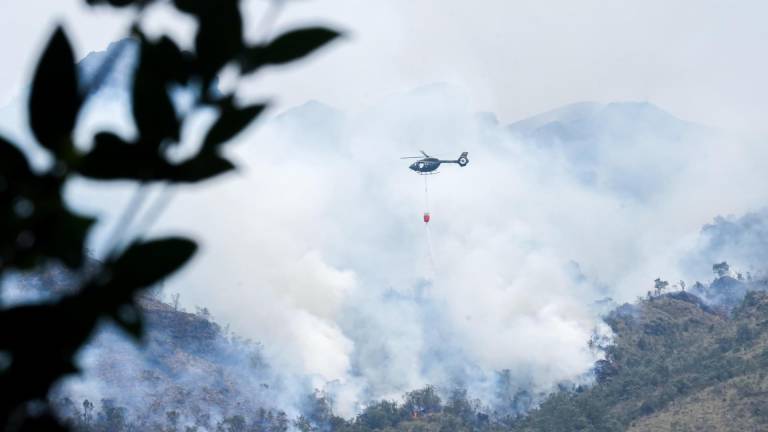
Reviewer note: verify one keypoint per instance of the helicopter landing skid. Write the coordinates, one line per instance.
(429, 173)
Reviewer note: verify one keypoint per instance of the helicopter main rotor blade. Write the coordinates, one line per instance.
(412, 157)
(424, 153)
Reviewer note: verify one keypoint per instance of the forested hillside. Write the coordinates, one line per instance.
(676, 364)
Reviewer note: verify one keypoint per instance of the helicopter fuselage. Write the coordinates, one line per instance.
(425, 165)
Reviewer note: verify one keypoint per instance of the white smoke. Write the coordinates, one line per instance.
(316, 247)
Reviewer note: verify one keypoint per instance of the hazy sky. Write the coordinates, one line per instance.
(699, 59)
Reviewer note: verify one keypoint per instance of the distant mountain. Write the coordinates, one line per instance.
(616, 146)
(589, 120)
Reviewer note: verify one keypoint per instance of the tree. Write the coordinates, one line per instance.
(281, 422)
(721, 269)
(379, 415)
(173, 419)
(175, 301)
(38, 226)
(87, 412)
(112, 417)
(421, 402)
(235, 423)
(318, 412)
(203, 313)
(458, 404)
(659, 286)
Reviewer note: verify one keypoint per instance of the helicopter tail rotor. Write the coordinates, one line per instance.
(463, 160)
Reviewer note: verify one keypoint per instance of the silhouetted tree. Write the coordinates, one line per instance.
(659, 286)
(173, 419)
(234, 423)
(87, 412)
(113, 418)
(175, 301)
(421, 402)
(380, 415)
(459, 405)
(721, 269)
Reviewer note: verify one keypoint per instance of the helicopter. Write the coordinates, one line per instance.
(427, 164)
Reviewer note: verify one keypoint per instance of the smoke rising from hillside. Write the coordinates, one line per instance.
(317, 248)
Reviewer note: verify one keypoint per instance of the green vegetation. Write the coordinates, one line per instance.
(675, 364)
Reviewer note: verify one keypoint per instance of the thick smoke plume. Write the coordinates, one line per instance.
(317, 248)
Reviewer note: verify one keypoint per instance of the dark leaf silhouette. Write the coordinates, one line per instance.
(144, 264)
(68, 234)
(231, 122)
(14, 167)
(34, 364)
(194, 7)
(119, 3)
(174, 65)
(288, 47)
(112, 158)
(129, 318)
(203, 167)
(54, 100)
(45, 422)
(36, 223)
(153, 110)
(219, 37)
(49, 233)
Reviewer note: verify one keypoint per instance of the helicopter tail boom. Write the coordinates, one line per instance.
(462, 161)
